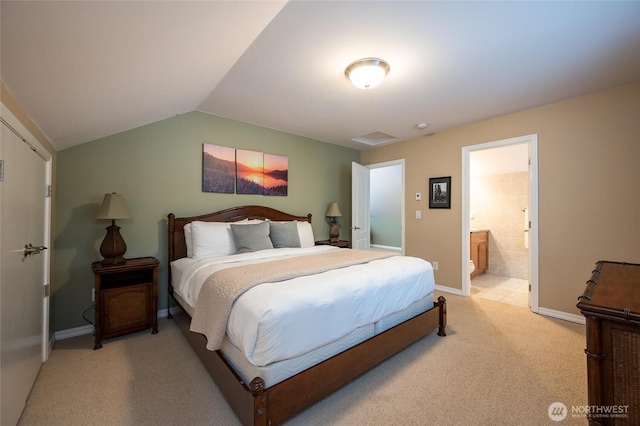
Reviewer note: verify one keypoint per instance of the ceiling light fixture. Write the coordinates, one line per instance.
(367, 73)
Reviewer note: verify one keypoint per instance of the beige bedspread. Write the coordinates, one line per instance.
(223, 287)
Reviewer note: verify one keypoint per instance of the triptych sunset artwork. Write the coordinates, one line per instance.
(228, 170)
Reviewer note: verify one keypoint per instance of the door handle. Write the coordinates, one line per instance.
(355, 228)
(29, 249)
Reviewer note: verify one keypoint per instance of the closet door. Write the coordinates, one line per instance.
(22, 271)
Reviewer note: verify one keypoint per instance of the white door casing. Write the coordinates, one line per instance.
(24, 311)
(360, 228)
(534, 284)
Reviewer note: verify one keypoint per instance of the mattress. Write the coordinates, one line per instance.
(278, 371)
(286, 320)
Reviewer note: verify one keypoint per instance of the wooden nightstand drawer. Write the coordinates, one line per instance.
(126, 309)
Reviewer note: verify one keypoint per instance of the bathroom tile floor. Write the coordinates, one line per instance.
(513, 291)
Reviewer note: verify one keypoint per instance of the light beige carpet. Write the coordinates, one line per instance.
(499, 365)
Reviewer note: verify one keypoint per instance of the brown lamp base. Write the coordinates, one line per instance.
(334, 232)
(113, 246)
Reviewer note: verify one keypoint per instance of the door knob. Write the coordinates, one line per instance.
(29, 249)
(355, 228)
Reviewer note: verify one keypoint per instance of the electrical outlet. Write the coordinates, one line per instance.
(435, 265)
(93, 294)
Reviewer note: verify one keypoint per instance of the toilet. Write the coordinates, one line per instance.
(472, 267)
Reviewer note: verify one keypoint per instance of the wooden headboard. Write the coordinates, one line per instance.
(177, 245)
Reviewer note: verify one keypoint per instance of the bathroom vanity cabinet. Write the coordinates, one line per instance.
(479, 251)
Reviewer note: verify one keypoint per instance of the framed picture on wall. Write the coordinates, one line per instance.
(249, 172)
(440, 193)
(218, 169)
(276, 175)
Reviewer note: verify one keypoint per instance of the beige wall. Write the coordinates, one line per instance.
(589, 188)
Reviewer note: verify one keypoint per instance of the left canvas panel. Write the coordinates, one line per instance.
(218, 169)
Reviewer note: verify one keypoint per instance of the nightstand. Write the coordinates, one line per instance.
(340, 243)
(126, 297)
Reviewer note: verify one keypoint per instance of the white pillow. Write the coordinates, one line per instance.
(213, 238)
(305, 232)
(188, 239)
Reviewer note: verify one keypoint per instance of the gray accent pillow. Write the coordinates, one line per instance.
(284, 234)
(248, 238)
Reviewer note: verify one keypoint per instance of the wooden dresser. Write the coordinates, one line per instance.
(611, 306)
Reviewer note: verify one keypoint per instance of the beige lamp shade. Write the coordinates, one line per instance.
(113, 246)
(113, 207)
(333, 210)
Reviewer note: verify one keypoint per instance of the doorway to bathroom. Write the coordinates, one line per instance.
(500, 194)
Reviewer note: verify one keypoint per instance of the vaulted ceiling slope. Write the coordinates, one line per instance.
(84, 70)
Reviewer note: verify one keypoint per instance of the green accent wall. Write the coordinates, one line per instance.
(158, 169)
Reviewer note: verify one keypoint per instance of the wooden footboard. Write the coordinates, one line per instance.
(256, 405)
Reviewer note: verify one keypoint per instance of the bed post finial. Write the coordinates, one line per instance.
(442, 302)
(257, 386)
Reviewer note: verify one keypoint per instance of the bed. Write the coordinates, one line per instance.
(264, 381)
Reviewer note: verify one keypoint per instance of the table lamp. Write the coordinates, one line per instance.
(333, 211)
(113, 246)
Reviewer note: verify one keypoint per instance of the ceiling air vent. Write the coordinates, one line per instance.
(375, 138)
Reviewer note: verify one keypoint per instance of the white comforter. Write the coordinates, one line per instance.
(276, 321)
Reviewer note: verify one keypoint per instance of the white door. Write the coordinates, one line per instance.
(360, 228)
(22, 278)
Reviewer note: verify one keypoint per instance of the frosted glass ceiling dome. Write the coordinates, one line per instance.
(367, 73)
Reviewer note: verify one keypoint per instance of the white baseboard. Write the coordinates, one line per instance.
(451, 290)
(386, 248)
(72, 332)
(579, 319)
(88, 329)
(562, 315)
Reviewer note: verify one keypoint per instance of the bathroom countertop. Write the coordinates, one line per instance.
(472, 230)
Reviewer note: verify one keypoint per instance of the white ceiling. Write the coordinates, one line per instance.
(83, 70)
